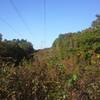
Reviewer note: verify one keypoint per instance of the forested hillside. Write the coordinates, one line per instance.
(69, 70)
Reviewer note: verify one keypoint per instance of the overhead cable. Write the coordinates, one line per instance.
(9, 25)
(20, 16)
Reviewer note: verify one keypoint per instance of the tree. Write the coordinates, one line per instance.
(96, 23)
(0, 37)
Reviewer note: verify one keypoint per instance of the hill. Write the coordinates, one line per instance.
(69, 70)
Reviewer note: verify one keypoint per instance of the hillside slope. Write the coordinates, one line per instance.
(69, 70)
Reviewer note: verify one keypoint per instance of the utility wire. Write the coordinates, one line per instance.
(24, 22)
(44, 14)
(44, 21)
(9, 25)
(20, 16)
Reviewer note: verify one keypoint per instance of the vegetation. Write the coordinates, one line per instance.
(69, 70)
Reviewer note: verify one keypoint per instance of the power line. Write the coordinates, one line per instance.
(43, 42)
(44, 22)
(24, 22)
(44, 13)
(20, 16)
(9, 25)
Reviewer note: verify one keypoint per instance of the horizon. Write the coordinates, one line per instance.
(41, 21)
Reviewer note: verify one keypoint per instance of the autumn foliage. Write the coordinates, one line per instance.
(69, 70)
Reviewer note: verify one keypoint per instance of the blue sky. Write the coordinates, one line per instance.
(61, 16)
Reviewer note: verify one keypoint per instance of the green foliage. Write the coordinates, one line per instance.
(88, 55)
(72, 79)
(16, 49)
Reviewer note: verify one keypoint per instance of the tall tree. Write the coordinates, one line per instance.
(96, 23)
(0, 37)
